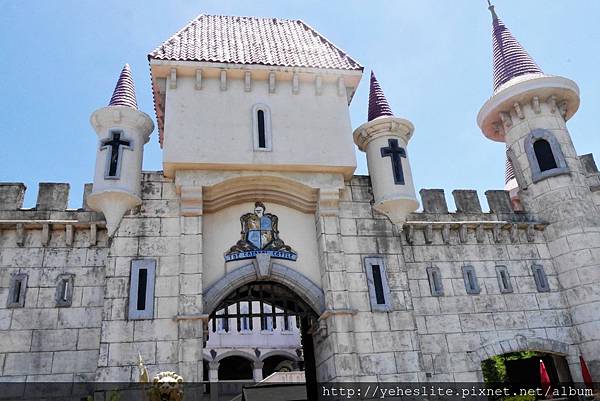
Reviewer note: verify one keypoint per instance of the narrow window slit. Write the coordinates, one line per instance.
(141, 294)
(378, 285)
(261, 129)
(17, 293)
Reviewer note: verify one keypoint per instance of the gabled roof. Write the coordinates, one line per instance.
(124, 93)
(510, 58)
(378, 104)
(251, 40)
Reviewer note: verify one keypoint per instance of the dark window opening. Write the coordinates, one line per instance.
(378, 283)
(504, 280)
(142, 284)
(17, 292)
(435, 281)
(544, 155)
(261, 129)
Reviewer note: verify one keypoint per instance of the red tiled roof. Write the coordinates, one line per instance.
(378, 104)
(510, 58)
(124, 93)
(251, 40)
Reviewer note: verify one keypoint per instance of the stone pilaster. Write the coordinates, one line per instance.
(335, 345)
(191, 320)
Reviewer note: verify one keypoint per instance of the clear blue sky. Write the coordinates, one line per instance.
(60, 61)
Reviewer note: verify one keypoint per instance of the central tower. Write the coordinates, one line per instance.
(225, 103)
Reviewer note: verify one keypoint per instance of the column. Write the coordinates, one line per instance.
(258, 371)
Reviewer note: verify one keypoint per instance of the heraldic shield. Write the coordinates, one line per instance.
(260, 235)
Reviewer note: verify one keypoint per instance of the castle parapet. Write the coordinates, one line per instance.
(12, 195)
(52, 196)
(466, 201)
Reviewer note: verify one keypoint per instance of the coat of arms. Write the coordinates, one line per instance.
(260, 235)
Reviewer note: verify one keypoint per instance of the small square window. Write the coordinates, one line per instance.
(470, 278)
(541, 280)
(504, 282)
(141, 289)
(435, 281)
(17, 290)
(379, 290)
(64, 290)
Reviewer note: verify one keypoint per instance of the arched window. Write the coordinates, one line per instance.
(543, 154)
(261, 127)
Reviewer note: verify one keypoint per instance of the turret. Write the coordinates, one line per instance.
(122, 131)
(384, 138)
(528, 111)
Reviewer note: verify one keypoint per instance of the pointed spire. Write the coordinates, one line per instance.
(378, 105)
(124, 94)
(510, 58)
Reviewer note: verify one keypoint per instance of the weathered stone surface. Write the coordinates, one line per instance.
(498, 201)
(11, 195)
(52, 196)
(466, 201)
(75, 361)
(54, 340)
(27, 363)
(433, 201)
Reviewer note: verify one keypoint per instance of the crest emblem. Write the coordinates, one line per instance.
(260, 235)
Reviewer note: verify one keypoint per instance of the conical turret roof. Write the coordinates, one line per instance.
(124, 93)
(378, 104)
(510, 58)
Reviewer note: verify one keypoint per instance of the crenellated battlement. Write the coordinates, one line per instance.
(50, 213)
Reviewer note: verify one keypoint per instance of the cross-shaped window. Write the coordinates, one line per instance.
(395, 152)
(115, 145)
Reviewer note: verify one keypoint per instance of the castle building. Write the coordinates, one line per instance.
(258, 241)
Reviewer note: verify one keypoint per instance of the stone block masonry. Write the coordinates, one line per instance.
(418, 336)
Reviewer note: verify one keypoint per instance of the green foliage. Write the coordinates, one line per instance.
(495, 375)
(529, 397)
(114, 396)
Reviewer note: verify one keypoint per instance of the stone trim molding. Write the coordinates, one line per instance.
(239, 353)
(283, 353)
(519, 343)
(269, 189)
(308, 291)
(559, 157)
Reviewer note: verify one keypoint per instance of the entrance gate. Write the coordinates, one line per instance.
(275, 301)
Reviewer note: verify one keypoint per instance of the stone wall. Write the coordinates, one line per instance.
(429, 337)
(417, 336)
(41, 340)
(150, 231)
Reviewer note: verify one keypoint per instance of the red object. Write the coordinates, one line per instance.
(545, 379)
(585, 372)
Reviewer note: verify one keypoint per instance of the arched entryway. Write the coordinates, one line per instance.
(281, 362)
(518, 364)
(262, 307)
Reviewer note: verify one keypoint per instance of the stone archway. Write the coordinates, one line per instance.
(275, 302)
(520, 343)
(307, 290)
(558, 356)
